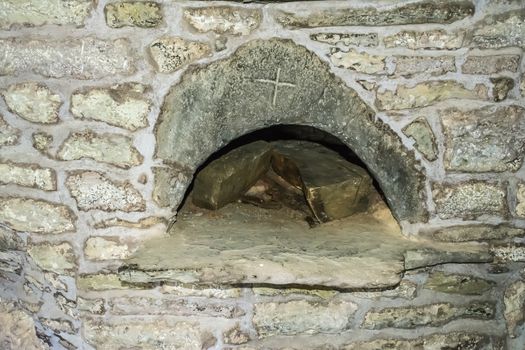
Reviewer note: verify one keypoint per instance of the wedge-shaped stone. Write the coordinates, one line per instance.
(33, 102)
(334, 187)
(503, 30)
(514, 301)
(223, 20)
(458, 284)
(170, 185)
(144, 14)
(28, 175)
(8, 134)
(425, 140)
(58, 258)
(433, 39)
(172, 53)
(227, 178)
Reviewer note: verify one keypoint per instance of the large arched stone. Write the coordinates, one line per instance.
(271, 82)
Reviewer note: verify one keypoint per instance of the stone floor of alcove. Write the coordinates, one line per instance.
(241, 244)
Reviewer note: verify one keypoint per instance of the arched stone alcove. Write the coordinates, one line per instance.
(272, 82)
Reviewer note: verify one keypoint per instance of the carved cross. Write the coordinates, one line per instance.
(276, 83)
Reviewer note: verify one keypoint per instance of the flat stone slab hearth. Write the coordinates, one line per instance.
(242, 244)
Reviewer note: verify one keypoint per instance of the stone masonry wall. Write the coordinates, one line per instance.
(82, 85)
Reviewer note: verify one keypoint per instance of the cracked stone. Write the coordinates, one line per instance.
(33, 102)
(223, 20)
(172, 53)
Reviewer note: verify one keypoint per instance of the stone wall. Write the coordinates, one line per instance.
(84, 84)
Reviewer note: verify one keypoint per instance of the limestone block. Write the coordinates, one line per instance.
(8, 134)
(78, 58)
(122, 105)
(18, 329)
(91, 306)
(34, 215)
(458, 284)
(433, 39)
(472, 146)
(352, 39)
(33, 102)
(194, 291)
(42, 141)
(408, 66)
(466, 233)
(426, 94)
(106, 248)
(100, 281)
(143, 14)
(405, 290)
(490, 64)
(503, 30)
(272, 292)
(433, 315)
(297, 317)
(514, 301)
(508, 252)
(93, 190)
(412, 13)
(113, 149)
(425, 141)
(357, 61)
(146, 222)
(39, 12)
(28, 175)
(501, 87)
(454, 340)
(172, 53)
(58, 258)
(223, 20)
(469, 200)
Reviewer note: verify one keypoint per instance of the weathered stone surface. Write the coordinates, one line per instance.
(460, 253)
(235, 336)
(472, 146)
(39, 12)
(522, 86)
(225, 179)
(320, 293)
(296, 317)
(106, 248)
(426, 94)
(405, 290)
(508, 252)
(113, 149)
(433, 315)
(425, 141)
(145, 14)
(10, 240)
(458, 284)
(407, 66)
(58, 258)
(91, 306)
(514, 301)
(146, 222)
(520, 200)
(193, 291)
(33, 102)
(413, 13)
(490, 64)
(83, 58)
(147, 335)
(172, 53)
(123, 105)
(476, 233)
(172, 306)
(469, 200)
(195, 123)
(100, 281)
(34, 215)
(434, 39)
(453, 340)
(42, 141)
(18, 329)
(28, 175)
(8, 134)
(93, 190)
(353, 39)
(223, 20)
(58, 325)
(170, 185)
(501, 87)
(357, 61)
(503, 30)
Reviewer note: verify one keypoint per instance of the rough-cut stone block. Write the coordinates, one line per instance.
(146, 222)
(296, 317)
(522, 86)
(113, 149)
(427, 93)
(172, 53)
(33, 102)
(82, 58)
(42, 141)
(454, 340)
(123, 105)
(407, 66)
(433, 315)
(466, 233)
(106, 248)
(8, 134)
(501, 87)
(490, 64)
(503, 30)
(425, 141)
(195, 291)
(59, 258)
(520, 200)
(28, 175)
(357, 61)
(225, 179)
(144, 14)
(458, 284)
(223, 20)
(412, 13)
(405, 290)
(100, 281)
(488, 139)
(93, 190)
(170, 185)
(155, 334)
(469, 200)
(353, 39)
(508, 252)
(18, 329)
(434, 39)
(91, 306)
(39, 12)
(514, 301)
(272, 292)
(34, 215)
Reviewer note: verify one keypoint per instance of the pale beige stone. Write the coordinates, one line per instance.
(490, 64)
(321, 293)
(146, 222)
(33, 102)
(357, 61)
(408, 66)
(34, 215)
(235, 336)
(106, 248)
(18, 329)
(405, 290)
(91, 306)
(113, 149)
(123, 105)
(42, 141)
(193, 291)
(93, 190)
(59, 258)
(223, 20)
(435, 39)
(522, 85)
(354, 39)
(520, 196)
(514, 301)
(8, 134)
(28, 175)
(143, 14)
(454, 340)
(508, 252)
(39, 12)
(502, 30)
(172, 53)
(100, 281)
